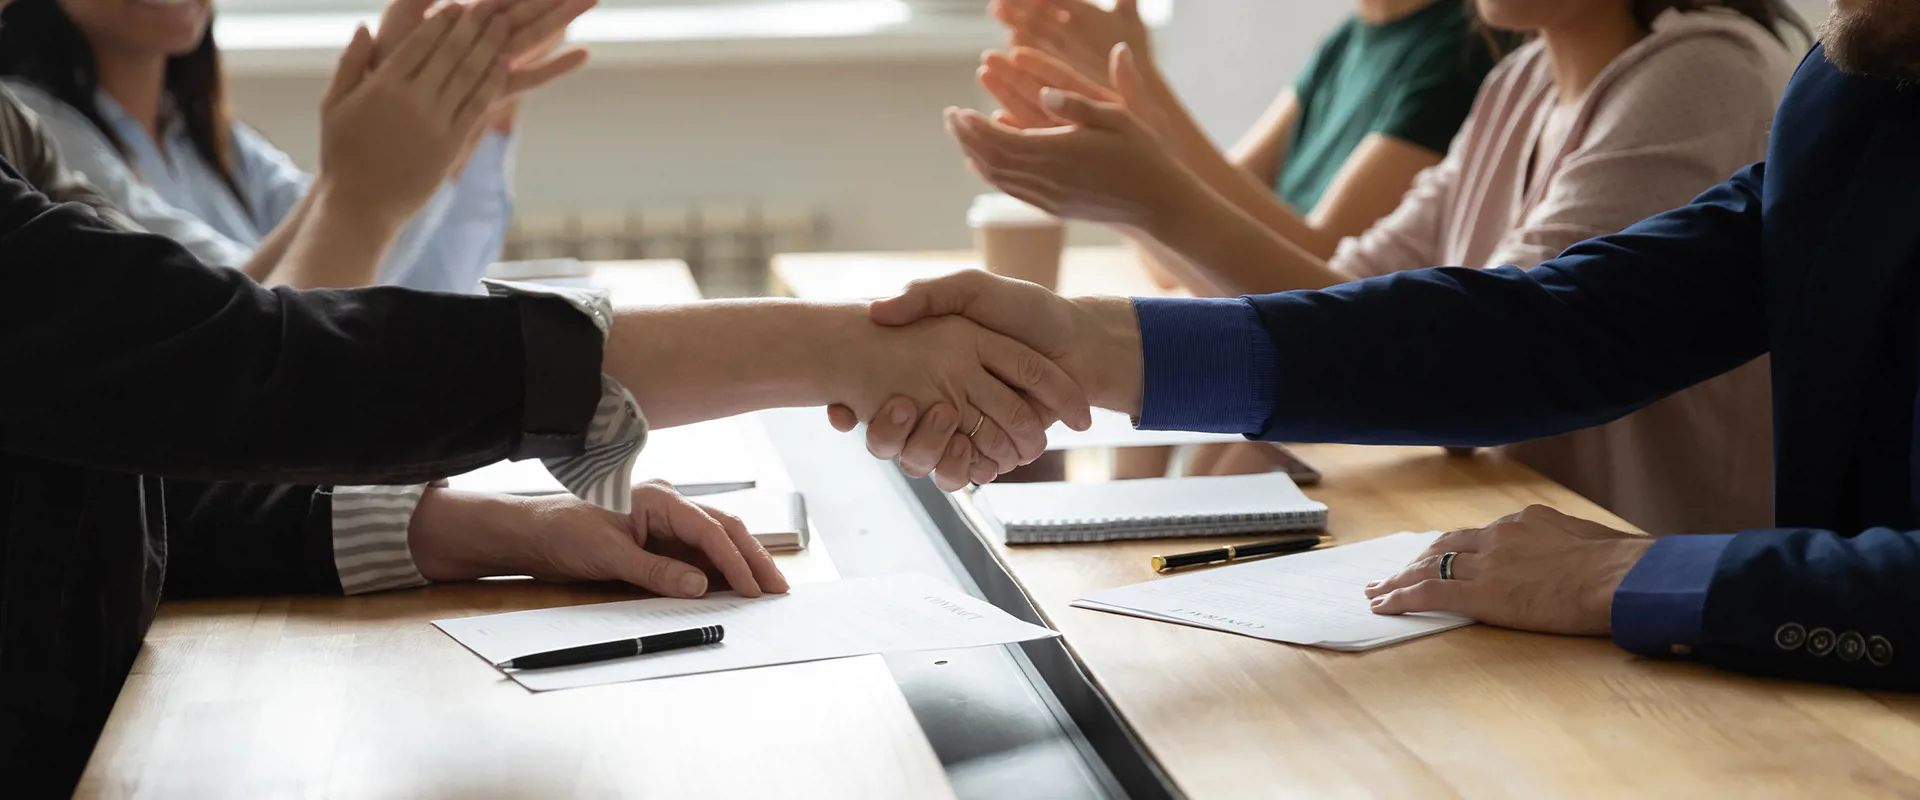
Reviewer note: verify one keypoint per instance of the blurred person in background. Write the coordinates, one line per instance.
(1614, 111)
(1379, 101)
(134, 93)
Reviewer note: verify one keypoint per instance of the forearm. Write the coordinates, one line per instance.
(336, 244)
(703, 361)
(262, 266)
(456, 536)
(1166, 267)
(1237, 252)
(1196, 150)
(182, 371)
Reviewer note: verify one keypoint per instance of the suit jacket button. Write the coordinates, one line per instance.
(1820, 642)
(1851, 647)
(1879, 651)
(1790, 636)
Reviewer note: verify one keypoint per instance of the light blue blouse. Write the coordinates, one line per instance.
(170, 190)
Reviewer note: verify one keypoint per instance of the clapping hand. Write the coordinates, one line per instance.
(1078, 33)
(390, 135)
(534, 30)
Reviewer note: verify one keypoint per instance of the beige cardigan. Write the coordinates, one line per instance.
(1676, 113)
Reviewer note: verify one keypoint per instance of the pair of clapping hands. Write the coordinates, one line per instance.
(406, 106)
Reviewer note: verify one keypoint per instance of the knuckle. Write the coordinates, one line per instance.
(657, 572)
(1032, 368)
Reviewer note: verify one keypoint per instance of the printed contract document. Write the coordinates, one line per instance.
(837, 619)
(1316, 598)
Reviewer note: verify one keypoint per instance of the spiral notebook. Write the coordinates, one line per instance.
(1158, 508)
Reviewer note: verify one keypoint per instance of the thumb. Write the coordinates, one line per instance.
(352, 69)
(932, 297)
(661, 575)
(1076, 108)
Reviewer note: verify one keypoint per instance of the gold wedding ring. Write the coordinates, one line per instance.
(977, 425)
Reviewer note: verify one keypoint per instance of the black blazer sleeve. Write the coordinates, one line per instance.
(119, 351)
(248, 539)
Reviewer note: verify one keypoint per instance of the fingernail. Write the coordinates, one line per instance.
(902, 414)
(693, 584)
(1053, 98)
(1379, 601)
(1375, 584)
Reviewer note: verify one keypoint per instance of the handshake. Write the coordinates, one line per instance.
(1041, 359)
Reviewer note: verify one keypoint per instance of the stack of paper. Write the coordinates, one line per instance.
(719, 453)
(1155, 508)
(1316, 598)
(895, 614)
(777, 520)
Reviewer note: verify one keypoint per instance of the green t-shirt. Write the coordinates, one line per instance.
(1413, 79)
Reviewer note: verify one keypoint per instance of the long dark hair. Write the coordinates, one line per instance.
(40, 44)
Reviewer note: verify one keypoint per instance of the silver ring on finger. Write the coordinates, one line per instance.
(1446, 565)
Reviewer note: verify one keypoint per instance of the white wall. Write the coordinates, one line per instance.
(862, 143)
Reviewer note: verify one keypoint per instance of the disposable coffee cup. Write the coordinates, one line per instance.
(1018, 240)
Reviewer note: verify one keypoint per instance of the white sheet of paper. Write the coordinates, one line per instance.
(837, 619)
(717, 451)
(1114, 429)
(1315, 598)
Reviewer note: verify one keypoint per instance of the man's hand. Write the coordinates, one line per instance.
(1076, 32)
(997, 393)
(1096, 340)
(1538, 570)
(669, 545)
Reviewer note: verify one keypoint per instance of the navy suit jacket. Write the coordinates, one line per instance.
(1800, 256)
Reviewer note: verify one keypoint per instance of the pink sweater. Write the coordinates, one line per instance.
(1678, 112)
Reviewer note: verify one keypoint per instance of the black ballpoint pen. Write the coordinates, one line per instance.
(1232, 553)
(620, 648)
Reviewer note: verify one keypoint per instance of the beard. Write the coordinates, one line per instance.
(1878, 37)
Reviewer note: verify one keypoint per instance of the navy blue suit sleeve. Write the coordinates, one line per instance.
(1473, 357)
(1657, 609)
(1208, 366)
(1817, 606)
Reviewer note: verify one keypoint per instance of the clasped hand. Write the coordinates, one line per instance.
(1094, 341)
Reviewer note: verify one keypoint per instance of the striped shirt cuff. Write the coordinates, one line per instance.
(370, 537)
(603, 473)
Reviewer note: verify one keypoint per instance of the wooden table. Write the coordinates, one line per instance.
(840, 276)
(1476, 712)
(360, 697)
